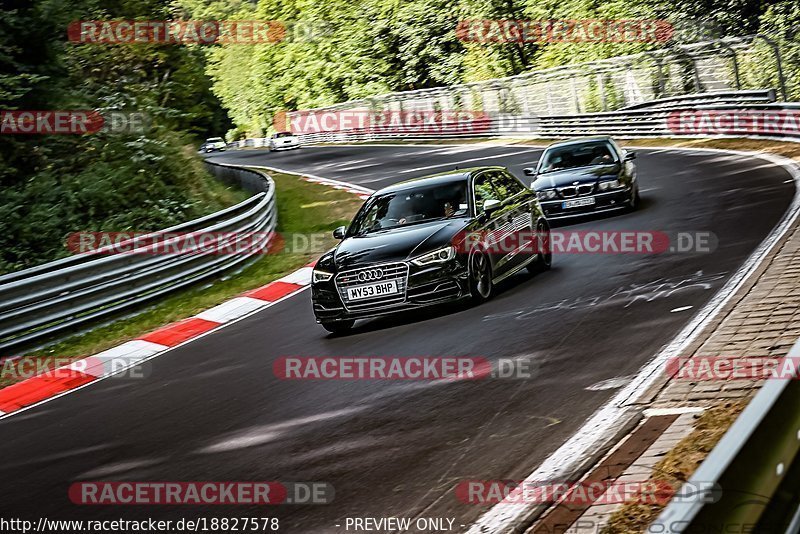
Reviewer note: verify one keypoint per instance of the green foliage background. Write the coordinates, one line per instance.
(53, 185)
(375, 47)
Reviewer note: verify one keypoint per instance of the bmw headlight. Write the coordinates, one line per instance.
(320, 276)
(437, 256)
(546, 194)
(610, 184)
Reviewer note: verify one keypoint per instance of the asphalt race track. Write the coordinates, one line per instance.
(212, 410)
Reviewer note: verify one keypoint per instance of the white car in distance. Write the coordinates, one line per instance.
(213, 144)
(283, 141)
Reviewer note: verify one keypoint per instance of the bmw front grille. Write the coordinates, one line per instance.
(573, 191)
(371, 275)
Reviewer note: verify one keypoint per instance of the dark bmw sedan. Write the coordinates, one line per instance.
(427, 241)
(585, 176)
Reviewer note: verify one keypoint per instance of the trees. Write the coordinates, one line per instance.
(52, 185)
(378, 46)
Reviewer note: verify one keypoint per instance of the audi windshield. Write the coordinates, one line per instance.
(411, 206)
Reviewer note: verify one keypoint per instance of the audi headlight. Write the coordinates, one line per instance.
(320, 276)
(546, 194)
(437, 256)
(611, 184)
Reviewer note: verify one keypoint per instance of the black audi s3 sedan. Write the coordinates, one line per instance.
(427, 241)
(585, 176)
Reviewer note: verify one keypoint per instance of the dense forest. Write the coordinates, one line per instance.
(332, 51)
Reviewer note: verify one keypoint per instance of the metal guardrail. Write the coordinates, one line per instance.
(39, 303)
(643, 120)
(750, 480)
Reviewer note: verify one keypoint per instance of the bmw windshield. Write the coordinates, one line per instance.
(411, 206)
(576, 155)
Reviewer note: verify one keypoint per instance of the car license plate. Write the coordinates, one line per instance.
(578, 202)
(372, 290)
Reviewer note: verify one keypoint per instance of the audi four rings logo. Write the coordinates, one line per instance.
(372, 274)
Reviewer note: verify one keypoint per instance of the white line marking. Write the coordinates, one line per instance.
(231, 309)
(125, 355)
(682, 308)
(612, 383)
(301, 277)
(258, 435)
(655, 412)
(504, 516)
(465, 161)
(318, 179)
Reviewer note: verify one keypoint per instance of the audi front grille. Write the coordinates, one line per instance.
(371, 275)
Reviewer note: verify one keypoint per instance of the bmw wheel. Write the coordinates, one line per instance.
(480, 277)
(633, 202)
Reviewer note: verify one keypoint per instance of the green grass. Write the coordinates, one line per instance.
(303, 208)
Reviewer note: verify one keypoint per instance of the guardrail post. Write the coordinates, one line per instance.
(778, 62)
(601, 88)
(575, 99)
(735, 61)
(660, 84)
(698, 84)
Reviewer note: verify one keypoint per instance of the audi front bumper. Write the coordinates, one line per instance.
(425, 286)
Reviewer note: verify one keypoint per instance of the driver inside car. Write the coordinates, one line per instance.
(601, 155)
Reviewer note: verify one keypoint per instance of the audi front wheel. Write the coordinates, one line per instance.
(480, 277)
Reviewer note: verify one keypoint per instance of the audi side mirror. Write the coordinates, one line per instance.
(491, 205)
(529, 171)
(340, 232)
(630, 155)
